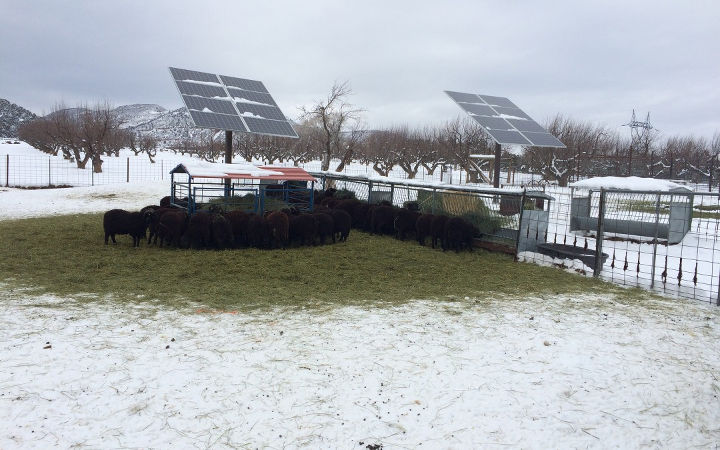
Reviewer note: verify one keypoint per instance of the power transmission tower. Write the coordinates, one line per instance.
(640, 134)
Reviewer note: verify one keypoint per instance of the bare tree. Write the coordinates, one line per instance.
(81, 134)
(462, 138)
(332, 116)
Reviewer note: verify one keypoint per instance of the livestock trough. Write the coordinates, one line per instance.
(653, 214)
(563, 251)
(240, 186)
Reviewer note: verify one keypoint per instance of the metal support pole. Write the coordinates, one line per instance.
(7, 170)
(599, 239)
(49, 177)
(520, 224)
(312, 196)
(92, 176)
(228, 157)
(127, 170)
(657, 225)
(434, 198)
(496, 176)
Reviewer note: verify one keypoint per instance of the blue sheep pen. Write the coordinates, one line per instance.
(240, 186)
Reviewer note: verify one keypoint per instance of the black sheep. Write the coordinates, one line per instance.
(221, 232)
(404, 223)
(279, 229)
(155, 217)
(303, 228)
(437, 229)
(423, 227)
(257, 231)
(360, 218)
(165, 201)
(348, 205)
(326, 226)
(198, 234)
(343, 221)
(382, 220)
(329, 202)
(119, 221)
(459, 233)
(172, 226)
(150, 208)
(238, 222)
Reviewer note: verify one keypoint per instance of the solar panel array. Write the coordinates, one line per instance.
(228, 103)
(504, 121)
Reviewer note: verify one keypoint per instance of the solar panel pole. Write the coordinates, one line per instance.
(228, 158)
(496, 176)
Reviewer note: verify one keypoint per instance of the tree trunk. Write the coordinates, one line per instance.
(97, 164)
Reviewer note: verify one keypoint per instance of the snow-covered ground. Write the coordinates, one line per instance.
(555, 372)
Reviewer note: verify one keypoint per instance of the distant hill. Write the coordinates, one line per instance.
(11, 116)
(131, 116)
(167, 126)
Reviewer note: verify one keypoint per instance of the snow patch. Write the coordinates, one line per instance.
(629, 183)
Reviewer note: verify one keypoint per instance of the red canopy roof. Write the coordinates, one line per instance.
(288, 173)
(244, 171)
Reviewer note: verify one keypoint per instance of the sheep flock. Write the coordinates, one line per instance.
(331, 221)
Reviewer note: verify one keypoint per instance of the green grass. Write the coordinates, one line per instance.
(65, 255)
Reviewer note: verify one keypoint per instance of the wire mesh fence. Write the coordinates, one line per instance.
(498, 215)
(662, 241)
(49, 171)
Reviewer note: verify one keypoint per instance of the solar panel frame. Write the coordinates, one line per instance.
(214, 105)
(527, 125)
(493, 100)
(200, 90)
(521, 129)
(542, 139)
(184, 74)
(477, 109)
(257, 97)
(264, 111)
(281, 128)
(492, 122)
(463, 97)
(244, 84)
(218, 93)
(218, 121)
(508, 137)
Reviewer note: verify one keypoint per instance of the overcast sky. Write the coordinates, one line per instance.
(594, 61)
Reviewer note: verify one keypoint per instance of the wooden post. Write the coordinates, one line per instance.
(498, 154)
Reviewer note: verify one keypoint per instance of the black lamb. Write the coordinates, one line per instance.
(405, 220)
(437, 230)
(423, 227)
(382, 220)
(343, 221)
(459, 234)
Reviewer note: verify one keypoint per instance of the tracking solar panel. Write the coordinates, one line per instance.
(222, 102)
(504, 121)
